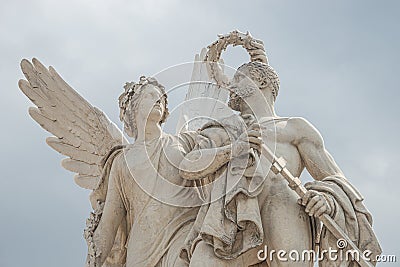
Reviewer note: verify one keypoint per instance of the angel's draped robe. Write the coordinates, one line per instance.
(160, 206)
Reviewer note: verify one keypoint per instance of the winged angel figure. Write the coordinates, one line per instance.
(142, 208)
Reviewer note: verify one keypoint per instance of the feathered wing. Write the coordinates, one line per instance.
(204, 102)
(81, 131)
(204, 99)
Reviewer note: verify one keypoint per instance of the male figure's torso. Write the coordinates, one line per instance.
(281, 135)
(285, 223)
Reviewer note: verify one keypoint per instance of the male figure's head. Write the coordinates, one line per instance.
(248, 79)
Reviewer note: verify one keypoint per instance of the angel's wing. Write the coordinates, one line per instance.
(82, 132)
(204, 100)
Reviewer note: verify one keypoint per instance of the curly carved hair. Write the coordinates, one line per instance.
(132, 94)
(264, 75)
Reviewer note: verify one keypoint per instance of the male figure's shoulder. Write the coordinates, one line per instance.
(302, 130)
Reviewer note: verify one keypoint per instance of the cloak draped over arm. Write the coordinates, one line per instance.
(350, 214)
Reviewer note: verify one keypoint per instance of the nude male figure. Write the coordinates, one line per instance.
(286, 224)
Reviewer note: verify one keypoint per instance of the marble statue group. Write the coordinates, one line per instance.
(221, 190)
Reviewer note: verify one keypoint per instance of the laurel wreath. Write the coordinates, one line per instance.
(254, 47)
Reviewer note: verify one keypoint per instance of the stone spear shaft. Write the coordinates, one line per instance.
(279, 167)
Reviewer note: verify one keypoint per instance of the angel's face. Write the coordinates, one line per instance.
(152, 104)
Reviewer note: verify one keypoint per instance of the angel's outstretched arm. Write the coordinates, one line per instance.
(113, 213)
(201, 162)
(213, 149)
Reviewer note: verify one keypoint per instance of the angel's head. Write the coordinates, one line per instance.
(145, 100)
(252, 76)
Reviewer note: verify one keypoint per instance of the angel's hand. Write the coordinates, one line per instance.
(247, 140)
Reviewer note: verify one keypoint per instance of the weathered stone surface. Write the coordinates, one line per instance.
(214, 194)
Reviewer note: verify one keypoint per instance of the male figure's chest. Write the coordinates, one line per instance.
(279, 138)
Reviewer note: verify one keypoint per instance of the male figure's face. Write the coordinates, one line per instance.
(242, 84)
(242, 87)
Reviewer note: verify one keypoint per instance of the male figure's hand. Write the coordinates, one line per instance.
(315, 203)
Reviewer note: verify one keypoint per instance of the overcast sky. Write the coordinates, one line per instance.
(338, 63)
